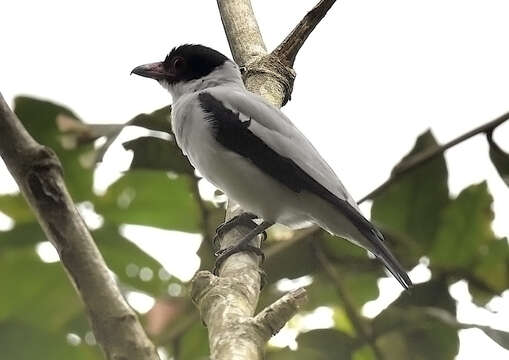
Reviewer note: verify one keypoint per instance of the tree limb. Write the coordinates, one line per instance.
(226, 306)
(425, 156)
(227, 303)
(287, 51)
(38, 174)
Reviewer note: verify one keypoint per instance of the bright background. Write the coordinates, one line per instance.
(374, 75)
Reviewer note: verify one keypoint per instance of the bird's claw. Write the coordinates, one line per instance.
(245, 219)
(225, 253)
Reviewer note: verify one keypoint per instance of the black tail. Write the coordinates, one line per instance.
(384, 254)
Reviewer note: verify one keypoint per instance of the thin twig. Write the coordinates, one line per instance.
(38, 174)
(425, 156)
(358, 323)
(287, 51)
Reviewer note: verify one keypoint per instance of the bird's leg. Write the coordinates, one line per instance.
(243, 245)
(245, 219)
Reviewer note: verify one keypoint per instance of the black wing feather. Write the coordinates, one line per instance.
(234, 134)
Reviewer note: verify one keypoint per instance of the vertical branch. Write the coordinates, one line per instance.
(38, 173)
(227, 303)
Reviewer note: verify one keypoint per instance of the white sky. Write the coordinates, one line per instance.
(372, 77)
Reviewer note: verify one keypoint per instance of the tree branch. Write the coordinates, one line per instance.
(357, 321)
(287, 51)
(38, 173)
(425, 156)
(226, 306)
(227, 303)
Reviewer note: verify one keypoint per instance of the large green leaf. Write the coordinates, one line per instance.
(499, 158)
(412, 205)
(40, 119)
(405, 334)
(15, 206)
(44, 298)
(119, 253)
(329, 342)
(158, 120)
(193, 345)
(320, 344)
(158, 154)
(20, 341)
(466, 226)
(151, 198)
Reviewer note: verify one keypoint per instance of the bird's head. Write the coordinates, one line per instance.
(187, 67)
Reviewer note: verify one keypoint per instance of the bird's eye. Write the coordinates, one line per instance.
(178, 63)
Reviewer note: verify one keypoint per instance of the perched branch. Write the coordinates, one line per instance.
(264, 73)
(287, 51)
(38, 173)
(425, 156)
(227, 305)
(357, 321)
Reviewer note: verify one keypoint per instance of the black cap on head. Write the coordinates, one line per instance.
(183, 63)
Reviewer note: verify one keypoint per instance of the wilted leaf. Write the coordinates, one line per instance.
(500, 337)
(499, 158)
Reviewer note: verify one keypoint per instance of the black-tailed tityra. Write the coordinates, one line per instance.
(250, 150)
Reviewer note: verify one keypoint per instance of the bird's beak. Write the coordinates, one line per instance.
(154, 71)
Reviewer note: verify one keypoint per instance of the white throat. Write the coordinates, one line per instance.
(226, 74)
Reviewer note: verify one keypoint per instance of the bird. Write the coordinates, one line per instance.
(251, 151)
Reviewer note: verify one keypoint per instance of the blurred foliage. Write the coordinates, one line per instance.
(42, 317)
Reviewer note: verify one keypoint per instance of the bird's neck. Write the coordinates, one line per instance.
(227, 74)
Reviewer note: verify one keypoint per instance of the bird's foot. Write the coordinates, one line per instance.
(245, 219)
(243, 245)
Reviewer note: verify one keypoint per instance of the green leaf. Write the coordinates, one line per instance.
(300, 354)
(25, 342)
(404, 329)
(492, 268)
(500, 337)
(499, 158)
(40, 119)
(411, 206)
(158, 120)
(320, 344)
(45, 298)
(16, 207)
(194, 344)
(364, 353)
(466, 226)
(23, 235)
(151, 198)
(158, 154)
(119, 252)
(330, 343)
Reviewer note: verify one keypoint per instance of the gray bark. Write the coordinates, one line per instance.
(38, 174)
(227, 303)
